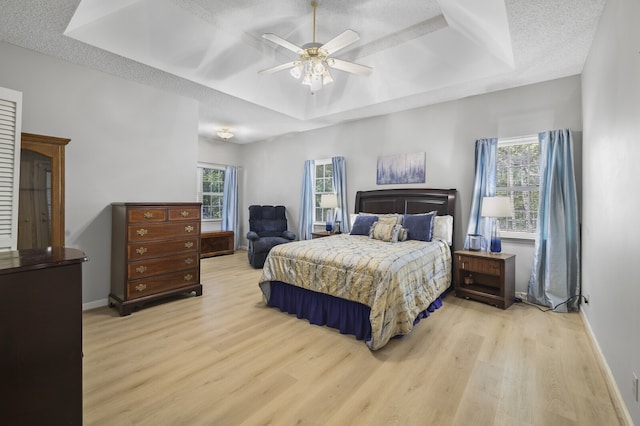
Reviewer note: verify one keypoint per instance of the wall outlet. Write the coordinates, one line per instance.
(634, 386)
(587, 297)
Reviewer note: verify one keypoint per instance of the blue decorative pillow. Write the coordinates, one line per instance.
(419, 226)
(362, 224)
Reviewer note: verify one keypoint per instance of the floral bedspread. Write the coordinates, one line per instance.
(396, 280)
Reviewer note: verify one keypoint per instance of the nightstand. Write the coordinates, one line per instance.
(486, 277)
(321, 234)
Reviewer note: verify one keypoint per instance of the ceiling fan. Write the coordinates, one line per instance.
(315, 58)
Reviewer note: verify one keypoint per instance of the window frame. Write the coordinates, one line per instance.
(200, 192)
(502, 142)
(322, 162)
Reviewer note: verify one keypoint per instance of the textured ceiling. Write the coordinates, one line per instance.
(421, 51)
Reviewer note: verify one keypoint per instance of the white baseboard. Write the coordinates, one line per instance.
(95, 304)
(616, 396)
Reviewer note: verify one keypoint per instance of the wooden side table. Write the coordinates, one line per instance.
(216, 243)
(486, 277)
(321, 234)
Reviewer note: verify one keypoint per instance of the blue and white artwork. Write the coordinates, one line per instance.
(403, 168)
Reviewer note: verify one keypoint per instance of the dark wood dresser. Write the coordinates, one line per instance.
(41, 336)
(155, 252)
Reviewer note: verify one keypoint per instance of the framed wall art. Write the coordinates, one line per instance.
(402, 168)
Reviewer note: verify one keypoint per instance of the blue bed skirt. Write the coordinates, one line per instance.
(323, 309)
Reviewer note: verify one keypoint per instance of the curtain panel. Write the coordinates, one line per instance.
(484, 185)
(305, 223)
(340, 187)
(555, 277)
(230, 203)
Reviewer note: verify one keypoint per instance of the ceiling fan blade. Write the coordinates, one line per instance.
(349, 66)
(282, 42)
(340, 41)
(279, 67)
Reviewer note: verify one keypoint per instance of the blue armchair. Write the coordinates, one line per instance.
(267, 228)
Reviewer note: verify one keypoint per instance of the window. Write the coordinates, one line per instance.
(323, 185)
(210, 189)
(518, 177)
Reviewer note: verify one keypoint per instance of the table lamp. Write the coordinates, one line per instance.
(329, 201)
(496, 207)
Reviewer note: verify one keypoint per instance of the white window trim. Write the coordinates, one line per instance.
(198, 183)
(517, 140)
(317, 163)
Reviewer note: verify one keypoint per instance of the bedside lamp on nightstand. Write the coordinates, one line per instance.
(496, 207)
(329, 201)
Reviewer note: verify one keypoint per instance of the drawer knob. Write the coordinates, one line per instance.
(141, 287)
(148, 215)
(185, 213)
(189, 228)
(141, 250)
(188, 244)
(142, 232)
(188, 277)
(188, 261)
(141, 269)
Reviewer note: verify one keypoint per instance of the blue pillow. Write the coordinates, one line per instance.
(419, 226)
(362, 224)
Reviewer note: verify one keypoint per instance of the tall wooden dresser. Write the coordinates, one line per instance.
(155, 252)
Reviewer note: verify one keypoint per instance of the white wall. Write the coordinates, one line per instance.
(610, 232)
(446, 132)
(129, 142)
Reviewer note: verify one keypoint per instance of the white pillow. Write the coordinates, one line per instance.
(443, 228)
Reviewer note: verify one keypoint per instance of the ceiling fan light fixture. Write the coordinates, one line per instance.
(296, 71)
(326, 78)
(224, 134)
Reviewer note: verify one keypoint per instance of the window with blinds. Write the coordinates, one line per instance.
(10, 128)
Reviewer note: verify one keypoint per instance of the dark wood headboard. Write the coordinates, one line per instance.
(408, 201)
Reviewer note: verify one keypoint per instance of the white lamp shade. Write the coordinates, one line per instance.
(328, 201)
(496, 207)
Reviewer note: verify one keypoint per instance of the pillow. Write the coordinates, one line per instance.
(384, 232)
(362, 224)
(420, 226)
(403, 235)
(390, 218)
(352, 219)
(443, 228)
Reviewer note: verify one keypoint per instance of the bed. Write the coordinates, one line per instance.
(370, 287)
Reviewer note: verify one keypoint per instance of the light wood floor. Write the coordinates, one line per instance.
(226, 359)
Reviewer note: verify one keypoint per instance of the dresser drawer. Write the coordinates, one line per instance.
(161, 265)
(157, 231)
(159, 284)
(184, 213)
(147, 250)
(147, 215)
(480, 265)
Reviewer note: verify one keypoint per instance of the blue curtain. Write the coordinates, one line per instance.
(340, 186)
(555, 277)
(230, 203)
(305, 224)
(484, 185)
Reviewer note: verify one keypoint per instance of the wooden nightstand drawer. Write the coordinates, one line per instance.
(482, 265)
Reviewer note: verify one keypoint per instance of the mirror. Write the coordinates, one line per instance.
(41, 202)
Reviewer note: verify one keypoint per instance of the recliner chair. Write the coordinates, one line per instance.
(267, 229)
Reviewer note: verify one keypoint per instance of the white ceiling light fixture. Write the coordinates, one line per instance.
(225, 134)
(315, 61)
